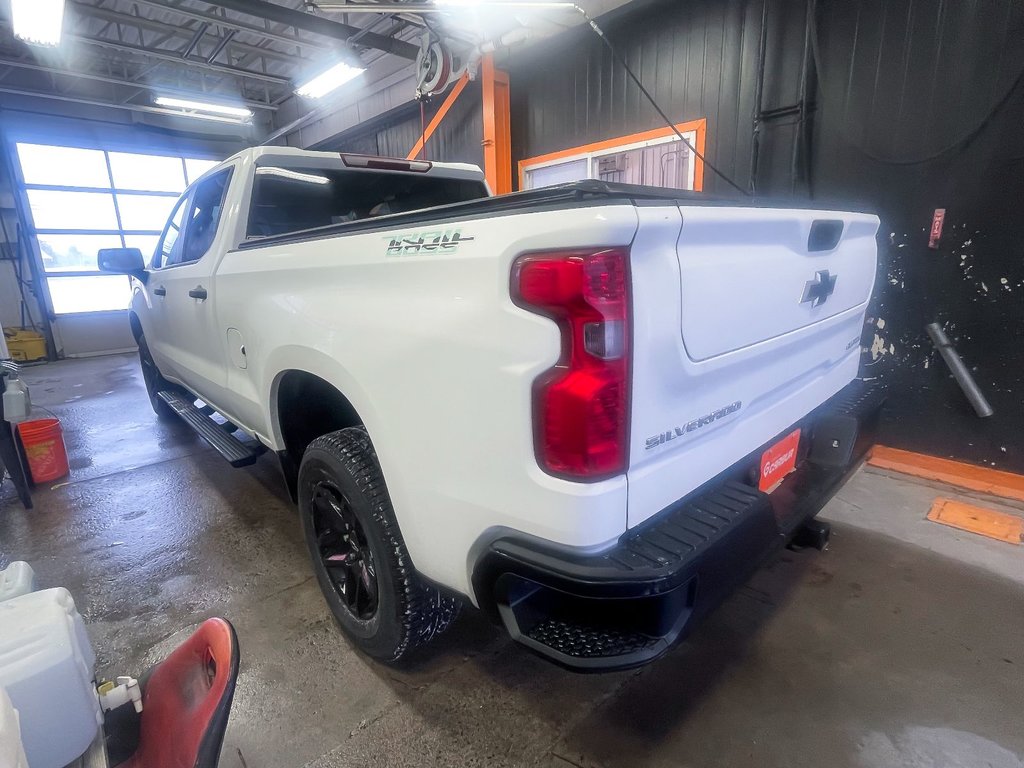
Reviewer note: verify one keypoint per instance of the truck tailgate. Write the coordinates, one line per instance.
(747, 275)
(751, 322)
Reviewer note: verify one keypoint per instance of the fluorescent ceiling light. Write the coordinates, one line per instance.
(239, 113)
(327, 81)
(201, 116)
(38, 22)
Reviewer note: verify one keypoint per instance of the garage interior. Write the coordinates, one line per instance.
(899, 645)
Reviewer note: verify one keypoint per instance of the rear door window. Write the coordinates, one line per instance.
(288, 200)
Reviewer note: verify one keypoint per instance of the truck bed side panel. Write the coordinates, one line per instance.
(439, 363)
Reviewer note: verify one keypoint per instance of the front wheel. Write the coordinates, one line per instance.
(359, 557)
(154, 382)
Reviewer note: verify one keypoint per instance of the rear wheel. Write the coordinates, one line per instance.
(154, 382)
(358, 554)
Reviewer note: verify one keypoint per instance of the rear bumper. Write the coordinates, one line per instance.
(628, 605)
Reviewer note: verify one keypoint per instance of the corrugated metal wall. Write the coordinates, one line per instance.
(900, 82)
(698, 59)
(457, 139)
(922, 104)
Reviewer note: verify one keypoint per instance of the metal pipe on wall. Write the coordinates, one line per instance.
(755, 145)
(794, 162)
(963, 377)
(801, 157)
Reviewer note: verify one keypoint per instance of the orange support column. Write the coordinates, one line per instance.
(436, 121)
(497, 131)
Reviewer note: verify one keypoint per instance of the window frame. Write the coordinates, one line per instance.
(589, 152)
(9, 143)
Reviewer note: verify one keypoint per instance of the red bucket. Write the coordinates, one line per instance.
(44, 449)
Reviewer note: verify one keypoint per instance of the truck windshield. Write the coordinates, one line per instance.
(288, 200)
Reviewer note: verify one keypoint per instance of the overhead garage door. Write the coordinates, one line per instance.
(80, 200)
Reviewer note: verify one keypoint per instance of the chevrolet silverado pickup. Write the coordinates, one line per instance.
(590, 410)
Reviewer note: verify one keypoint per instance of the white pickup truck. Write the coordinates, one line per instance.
(590, 410)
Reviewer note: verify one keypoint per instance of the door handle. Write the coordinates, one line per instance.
(159, 291)
(198, 293)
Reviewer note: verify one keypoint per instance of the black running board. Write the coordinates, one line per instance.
(236, 452)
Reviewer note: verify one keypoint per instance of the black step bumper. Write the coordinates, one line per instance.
(628, 605)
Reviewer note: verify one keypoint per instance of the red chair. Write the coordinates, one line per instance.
(186, 701)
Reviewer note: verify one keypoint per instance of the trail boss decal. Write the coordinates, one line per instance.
(692, 426)
(428, 241)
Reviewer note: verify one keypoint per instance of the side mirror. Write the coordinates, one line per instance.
(122, 261)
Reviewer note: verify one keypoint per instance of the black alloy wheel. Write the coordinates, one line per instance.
(344, 550)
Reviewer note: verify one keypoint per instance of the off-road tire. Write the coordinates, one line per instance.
(154, 382)
(409, 612)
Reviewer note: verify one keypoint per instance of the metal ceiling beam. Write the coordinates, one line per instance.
(220, 45)
(176, 58)
(200, 31)
(317, 25)
(129, 83)
(240, 26)
(153, 25)
(99, 103)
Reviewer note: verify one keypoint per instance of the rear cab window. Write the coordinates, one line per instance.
(290, 198)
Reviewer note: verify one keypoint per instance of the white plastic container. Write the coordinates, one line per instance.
(47, 666)
(17, 579)
(11, 753)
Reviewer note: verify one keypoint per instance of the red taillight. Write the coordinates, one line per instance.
(581, 406)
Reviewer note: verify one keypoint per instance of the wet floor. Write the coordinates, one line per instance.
(875, 653)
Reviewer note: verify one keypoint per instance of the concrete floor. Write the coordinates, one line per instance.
(900, 646)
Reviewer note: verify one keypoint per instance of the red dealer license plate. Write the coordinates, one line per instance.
(778, 461)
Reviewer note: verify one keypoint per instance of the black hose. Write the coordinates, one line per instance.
(650, 98)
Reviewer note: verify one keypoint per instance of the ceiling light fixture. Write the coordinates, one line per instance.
(334, 77)
(38, 22)
(237, 113)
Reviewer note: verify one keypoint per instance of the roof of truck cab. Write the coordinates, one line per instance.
(255, 153)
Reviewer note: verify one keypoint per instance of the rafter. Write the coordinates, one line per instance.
(223, 21)
(171, 56)
(118, 81)
(152, 25)
(100, 103)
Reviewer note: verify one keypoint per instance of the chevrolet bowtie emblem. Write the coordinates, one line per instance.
(819, 289)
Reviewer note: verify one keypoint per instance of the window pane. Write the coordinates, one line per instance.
(204, 216)
(89, 294)
(571, 170)
(165, 251)
(72, 210)
(65, 166)
(145, 243)
(291, 199)
(661, 165)
(153, 173)
(77, 252)
(144, 211)
(196, 168)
